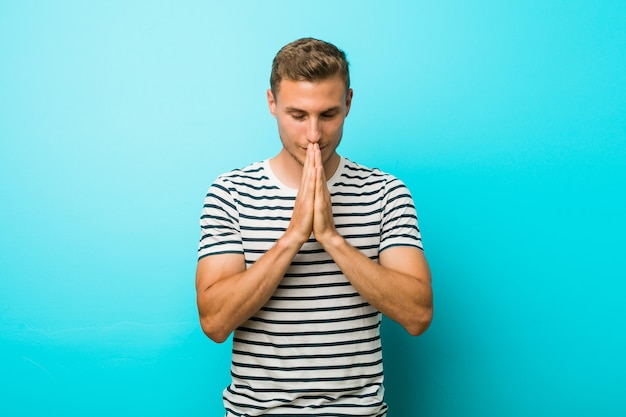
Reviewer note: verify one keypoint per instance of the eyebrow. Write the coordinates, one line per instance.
(297, 110)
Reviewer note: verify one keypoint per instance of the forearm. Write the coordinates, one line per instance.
(404, 297)
(229, 301)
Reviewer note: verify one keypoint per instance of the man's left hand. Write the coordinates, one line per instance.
(323, 222)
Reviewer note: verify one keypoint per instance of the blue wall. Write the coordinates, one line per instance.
(506, 119)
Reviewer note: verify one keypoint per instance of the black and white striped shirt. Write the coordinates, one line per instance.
(314, 348)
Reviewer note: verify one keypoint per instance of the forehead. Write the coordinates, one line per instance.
(311, 95)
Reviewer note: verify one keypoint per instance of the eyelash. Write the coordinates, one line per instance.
(301, 116)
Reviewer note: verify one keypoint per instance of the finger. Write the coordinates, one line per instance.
(302, 217)
(319, 167)
(318, 155)
(319, 181)
(308, 166)
(307, 160)
(322, 194)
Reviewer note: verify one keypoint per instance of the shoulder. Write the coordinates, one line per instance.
(251, 172)
(250, 177)
(359, 173)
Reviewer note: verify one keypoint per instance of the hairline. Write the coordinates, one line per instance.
(310, 80)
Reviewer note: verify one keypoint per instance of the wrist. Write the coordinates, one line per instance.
(331, 241)
(292, 240)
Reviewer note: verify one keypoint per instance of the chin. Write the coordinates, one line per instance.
(296, 157)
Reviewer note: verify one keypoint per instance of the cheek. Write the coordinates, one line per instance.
(334, 129)
(289, 129)
(283, 124)
(293, 127)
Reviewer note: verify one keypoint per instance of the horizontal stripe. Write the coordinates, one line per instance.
(307, 333)
(301, 380)
(328, 390)
(339, 319)
(314, 297)
(306, 357)
(313, 309)
(305, 345)
(307, 368)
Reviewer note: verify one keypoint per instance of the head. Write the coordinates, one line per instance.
(310, 97)
(309, 59)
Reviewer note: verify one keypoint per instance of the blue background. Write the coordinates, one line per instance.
(506, 119)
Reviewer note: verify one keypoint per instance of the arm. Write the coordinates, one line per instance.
(399, 286)
(228, 294)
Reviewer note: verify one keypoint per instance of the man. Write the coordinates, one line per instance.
(301, 253)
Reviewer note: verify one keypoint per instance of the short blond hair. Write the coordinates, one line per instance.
(308, 59)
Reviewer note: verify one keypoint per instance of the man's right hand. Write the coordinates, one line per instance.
(301, 225)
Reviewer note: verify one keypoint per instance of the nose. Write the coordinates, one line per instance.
(313, 131)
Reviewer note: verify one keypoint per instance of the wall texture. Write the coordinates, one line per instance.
(506, 119)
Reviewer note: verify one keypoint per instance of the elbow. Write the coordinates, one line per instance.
(214, 331)
(420, 322)
(421, 316)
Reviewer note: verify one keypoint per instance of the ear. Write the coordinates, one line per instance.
(271, 102)
(348, 100)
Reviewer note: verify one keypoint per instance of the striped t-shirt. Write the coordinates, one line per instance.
(314, 348)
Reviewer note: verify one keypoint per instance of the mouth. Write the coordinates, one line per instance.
(304, 148)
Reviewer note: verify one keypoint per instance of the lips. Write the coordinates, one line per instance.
(304, 148)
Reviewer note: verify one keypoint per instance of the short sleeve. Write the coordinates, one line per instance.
(219, 222)
(399, 224)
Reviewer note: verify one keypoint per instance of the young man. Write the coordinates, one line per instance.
(301, 253)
